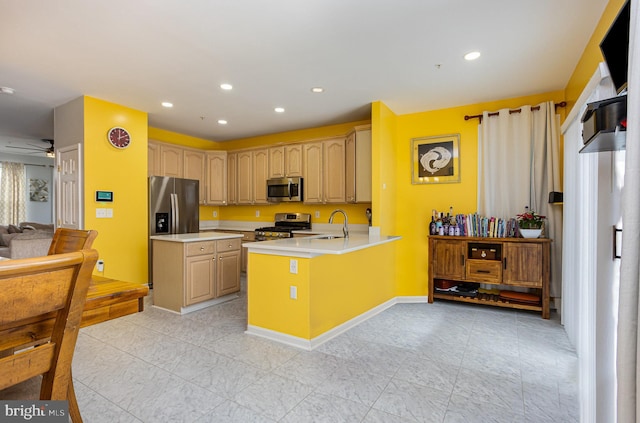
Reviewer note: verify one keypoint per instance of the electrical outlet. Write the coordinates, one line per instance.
(293, 266)
(257, 213)
(215, 213)
(293, 292)
(100, 265)
(317, 214)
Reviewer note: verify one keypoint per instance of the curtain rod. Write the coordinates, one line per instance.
(479, 117)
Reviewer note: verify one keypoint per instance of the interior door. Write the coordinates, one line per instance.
(69, 198)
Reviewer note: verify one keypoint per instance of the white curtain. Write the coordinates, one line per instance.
(627, 353)
(518, 165)
(12, 193)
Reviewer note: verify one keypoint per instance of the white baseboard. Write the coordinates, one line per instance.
(310, 344)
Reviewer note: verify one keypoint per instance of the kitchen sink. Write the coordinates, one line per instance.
(330, 237)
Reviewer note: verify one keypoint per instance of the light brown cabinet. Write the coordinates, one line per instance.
(285, 161)
(186, 275)
(324, 171)
(510, 262)
(216, 186)
(171, 161)
(358, 166)
(153, 159)
(232, 178)
(194, 167)
(252, 175)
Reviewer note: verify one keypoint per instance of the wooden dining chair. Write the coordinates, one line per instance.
(66, 240)
(38, 292)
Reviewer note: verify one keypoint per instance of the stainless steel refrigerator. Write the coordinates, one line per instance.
(173, 209)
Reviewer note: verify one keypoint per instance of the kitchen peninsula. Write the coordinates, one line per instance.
(304, 291)
(195, 270)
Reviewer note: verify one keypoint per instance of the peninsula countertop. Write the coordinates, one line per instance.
(197, 236)
(313, 246)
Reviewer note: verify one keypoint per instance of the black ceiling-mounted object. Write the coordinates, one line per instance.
(36, 149)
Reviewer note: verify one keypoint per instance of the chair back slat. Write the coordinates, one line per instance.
(24, 365)
(19, 301)
(66, 240)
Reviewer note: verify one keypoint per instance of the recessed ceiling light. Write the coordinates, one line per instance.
(7, 90)
(472, 55)
(167, 104)
(317, 89)
(222, 122)
(279, 109)
(226, 86)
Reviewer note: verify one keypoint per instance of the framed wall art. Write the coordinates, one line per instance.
(38, 190)
(435, 160)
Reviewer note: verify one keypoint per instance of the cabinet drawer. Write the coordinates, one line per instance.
(228, 244)
(199, 248)
(487, 271)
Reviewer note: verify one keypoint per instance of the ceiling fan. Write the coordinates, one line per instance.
(35, 149)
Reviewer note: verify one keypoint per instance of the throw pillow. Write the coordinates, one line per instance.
(13, 229)
(27, 227)
(4, 229)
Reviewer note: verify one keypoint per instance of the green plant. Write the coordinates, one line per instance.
(530, 220)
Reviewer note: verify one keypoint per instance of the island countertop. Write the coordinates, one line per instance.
(197, 236)
(313, 246)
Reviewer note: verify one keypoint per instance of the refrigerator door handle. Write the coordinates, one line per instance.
(175, 213)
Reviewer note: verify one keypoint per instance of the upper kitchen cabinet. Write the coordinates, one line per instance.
(195, 168)
(232, 178)
(171, 161)
(253, 172)
(216, 188)
(358, 165)
(285, 161)
(153, 159)
(324, 171)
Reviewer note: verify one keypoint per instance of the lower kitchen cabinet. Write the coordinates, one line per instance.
(491, 271)
(192, 275)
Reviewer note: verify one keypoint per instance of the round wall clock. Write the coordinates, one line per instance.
(119, 137)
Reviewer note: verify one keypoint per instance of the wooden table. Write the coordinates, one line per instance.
(107, 299)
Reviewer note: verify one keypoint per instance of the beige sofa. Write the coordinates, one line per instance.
(28, 239)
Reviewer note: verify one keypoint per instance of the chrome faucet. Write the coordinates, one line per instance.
(345, 227)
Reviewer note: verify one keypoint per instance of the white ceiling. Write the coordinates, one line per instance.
(406, 53)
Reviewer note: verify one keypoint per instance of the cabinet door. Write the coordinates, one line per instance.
(523, 264)
(363, 166)
(312, 167)
(194, 168)
(276, 162)
(350, 168)
(449, 259)
(217, 178)
(260, 176)
(293, 160)
(153, 159)
(334, 171)
(201, 271)
(228, 277)
(245, 176)
(171, 161)
(232, 178)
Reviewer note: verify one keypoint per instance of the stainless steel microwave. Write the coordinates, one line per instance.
(284, 189)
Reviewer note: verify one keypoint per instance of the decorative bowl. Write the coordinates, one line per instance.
(530, 233)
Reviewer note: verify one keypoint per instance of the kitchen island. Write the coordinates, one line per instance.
(193, 271)
(305, 291)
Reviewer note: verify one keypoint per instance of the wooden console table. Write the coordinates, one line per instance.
(503, 262)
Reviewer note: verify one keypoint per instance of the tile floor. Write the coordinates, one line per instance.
(441, 362)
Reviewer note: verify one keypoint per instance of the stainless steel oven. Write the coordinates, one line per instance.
(284, 225)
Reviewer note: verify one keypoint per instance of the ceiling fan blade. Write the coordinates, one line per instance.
(26, 148)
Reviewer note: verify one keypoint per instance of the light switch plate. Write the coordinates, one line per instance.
(293, 266)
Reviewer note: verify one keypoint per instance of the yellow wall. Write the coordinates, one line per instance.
(122, 240)
(332, 289)
(183, 140)
(411, 205)
(591, 55)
